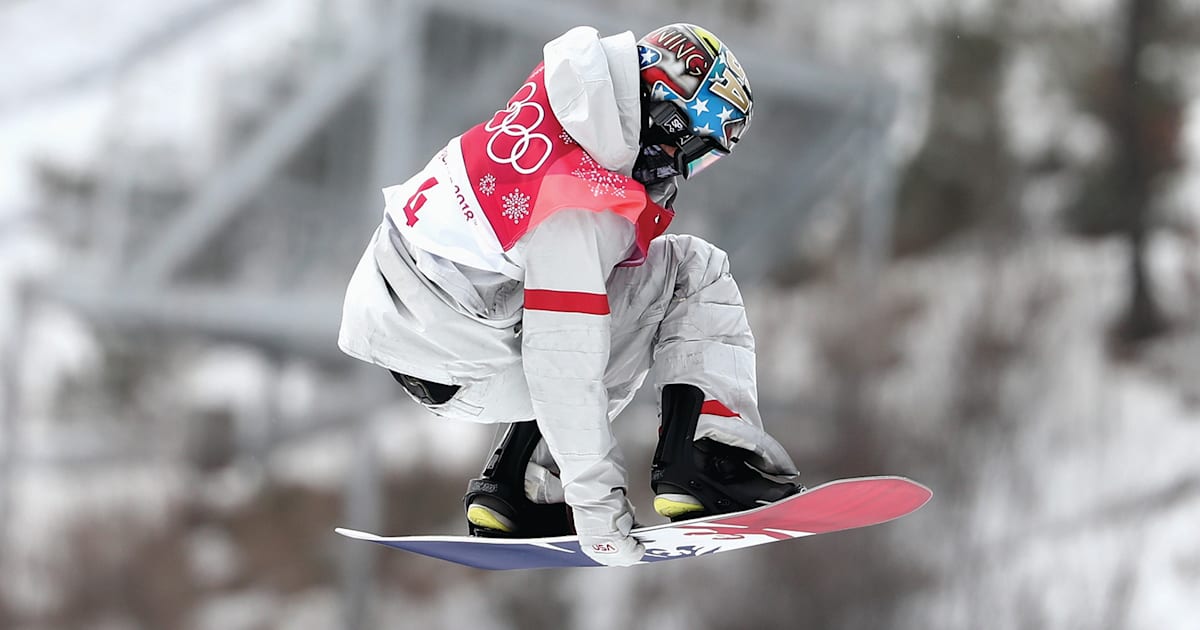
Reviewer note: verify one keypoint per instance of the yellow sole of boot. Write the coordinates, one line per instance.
(673, 509)
(483, 517)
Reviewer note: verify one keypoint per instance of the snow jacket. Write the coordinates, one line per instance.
(490, 267)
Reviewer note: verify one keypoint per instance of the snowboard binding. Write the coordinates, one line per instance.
(496, 504)
(694, 478)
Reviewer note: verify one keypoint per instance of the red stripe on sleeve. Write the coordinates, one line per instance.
(566, 301)
(715, 408)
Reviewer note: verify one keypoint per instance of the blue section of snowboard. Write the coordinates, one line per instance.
(521, 555)
(500, 555)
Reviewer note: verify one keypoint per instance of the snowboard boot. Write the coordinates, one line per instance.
(693, 478)
(496, 503)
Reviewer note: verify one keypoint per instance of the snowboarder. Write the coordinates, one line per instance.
(522, 277)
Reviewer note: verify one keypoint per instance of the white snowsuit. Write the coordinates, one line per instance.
(575, 360)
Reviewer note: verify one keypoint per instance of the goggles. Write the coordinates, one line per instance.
(696, 154)
(693, 153)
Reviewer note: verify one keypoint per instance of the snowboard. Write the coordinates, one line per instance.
(834, 506)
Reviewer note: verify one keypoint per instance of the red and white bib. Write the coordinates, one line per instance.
(490, 186)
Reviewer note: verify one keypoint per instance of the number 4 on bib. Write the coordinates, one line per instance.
(417, 201)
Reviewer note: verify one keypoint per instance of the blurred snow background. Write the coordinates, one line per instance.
(977, 265)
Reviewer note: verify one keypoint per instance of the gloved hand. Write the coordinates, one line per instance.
(605, 546)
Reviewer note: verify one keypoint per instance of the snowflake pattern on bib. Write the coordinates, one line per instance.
(601, 181)
(487, 184)
(516, 205)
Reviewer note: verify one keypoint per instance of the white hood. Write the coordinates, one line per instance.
(594, 90)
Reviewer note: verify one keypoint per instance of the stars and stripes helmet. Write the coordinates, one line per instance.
(696, 97)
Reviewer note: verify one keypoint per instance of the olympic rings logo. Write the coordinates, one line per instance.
(525, 135)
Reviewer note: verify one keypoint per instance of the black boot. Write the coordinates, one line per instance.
(496, 504)
(693, 478)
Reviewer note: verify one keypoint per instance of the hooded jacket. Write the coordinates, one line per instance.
(523, 328)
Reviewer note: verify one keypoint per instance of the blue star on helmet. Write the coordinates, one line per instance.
(704, 130)
(648, 57)
(661, 93)
(700, 106)
(725, 114)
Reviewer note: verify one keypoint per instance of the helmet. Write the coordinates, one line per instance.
(695, 94)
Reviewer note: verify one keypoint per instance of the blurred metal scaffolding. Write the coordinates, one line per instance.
(820, 131)
(113, 63)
